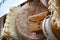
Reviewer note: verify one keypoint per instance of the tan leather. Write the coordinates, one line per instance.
(35, 21)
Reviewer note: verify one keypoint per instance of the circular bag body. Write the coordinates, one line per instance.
(23, 27)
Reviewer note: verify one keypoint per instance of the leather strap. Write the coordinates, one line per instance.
(36, 5)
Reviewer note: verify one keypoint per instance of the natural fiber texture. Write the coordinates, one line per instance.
(21, 23)
(9, 29)
(23, 26)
